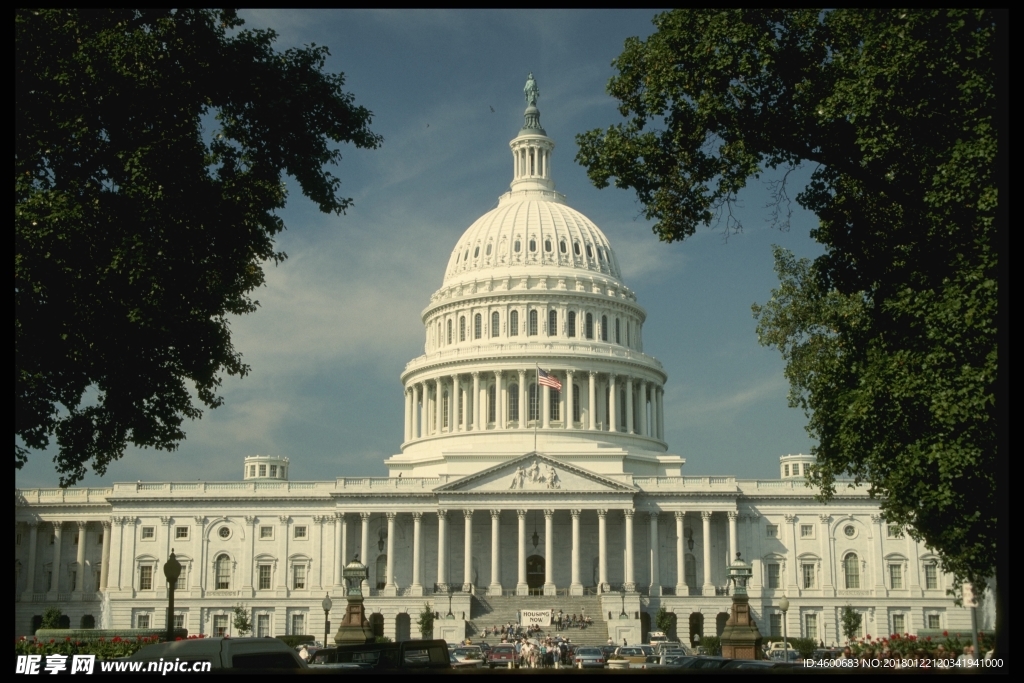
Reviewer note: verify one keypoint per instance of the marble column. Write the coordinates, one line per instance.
(364, 547)
(877, 550)
(79, 586)
(642, 394)
(576, 586)
(408, 413)
(442, 551)
(654, 412)
(705, 518)
(681, 587)
(655, 557)
(661, 413)
(453, 406)
(467, 561)
(602, 550)
(828, 587)
(415, 411)
(570, 404)
(524, 408)
(792, 574)
(250, 552)
(439, 406)
(417, 554)
(545, 418)
(592, 402)
(391, 588)
(57, 542)
(521, 586)
(340, 532)
(613, 416)
(33, 542)
(630, 582)
(476, 402)
(105, 562)
(495, 587)
(733, 546)
(464, 393)
(629, 405)
(549, 549)
(501, 400)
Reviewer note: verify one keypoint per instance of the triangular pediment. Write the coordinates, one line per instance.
(535, 472)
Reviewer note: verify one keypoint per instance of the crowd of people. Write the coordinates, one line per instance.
(559, 621)
(538, 653)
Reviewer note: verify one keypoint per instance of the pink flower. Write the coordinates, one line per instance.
(946, 633)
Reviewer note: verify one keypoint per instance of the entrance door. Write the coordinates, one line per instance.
(535, 572)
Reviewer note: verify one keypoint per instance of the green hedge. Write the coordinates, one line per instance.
(90, 634)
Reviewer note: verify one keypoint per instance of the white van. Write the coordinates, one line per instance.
(220, 653)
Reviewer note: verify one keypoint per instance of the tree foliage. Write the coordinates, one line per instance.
(850, 620)
(889, 336)
(426, 622)
(241, 620)
(150, 148)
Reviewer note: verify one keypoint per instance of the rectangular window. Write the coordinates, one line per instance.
(298, 624)
(99, 539)
(182, 582)
(785, 470)
(931, 577)
(811, 626)
(220, 625)
(896, 576)
(141, 621)
(273, 470)
(266, 533)
(934, 621)
(263, 470)
(148, 533)
(300, 532)
(264, 577)
(181, 533)
(773, 575)
(145, 578)
(179, 621)
(298, 577)
(262, 625)
(808, 575)
(899, 624)
(806, 531)
(775, 624)
(772, 530)
(893, 531)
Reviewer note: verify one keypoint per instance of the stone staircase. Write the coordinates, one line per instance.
(486, 612)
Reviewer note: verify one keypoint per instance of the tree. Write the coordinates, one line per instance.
(889, 336)
(850, 619)
(241, 622)
(51, 618)
(149, 152)
(426, 622)
(666, 622)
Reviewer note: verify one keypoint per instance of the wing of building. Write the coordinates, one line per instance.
(534, 474)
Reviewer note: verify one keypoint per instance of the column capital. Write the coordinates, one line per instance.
(442, 514)
(602, 513)
(495, 513)
(340, 516)
(105, 523)
(391, 515)
(825, 519)
(705, 514)
(570, 373)
(166, 521)
(284, 519)
(593, 373)
(681, 514)
(877, 519)
(521, 513)
(653, 514)
(364, 515)
(790, 518)
(82, 524)
(498, 374)
(754, 516)
(57, 526)
(250, 520)
(548, 514)
(417, 515)
(628, 512)
(476, 374)
(732, 514)
(575, 513)
(198, 519)
(468, 514)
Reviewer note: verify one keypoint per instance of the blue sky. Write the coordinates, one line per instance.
(340, 317)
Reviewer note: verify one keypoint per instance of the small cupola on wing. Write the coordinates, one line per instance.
(266, 467)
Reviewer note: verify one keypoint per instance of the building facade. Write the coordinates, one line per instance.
(534, 473)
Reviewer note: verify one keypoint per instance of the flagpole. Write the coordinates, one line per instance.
(536, 402)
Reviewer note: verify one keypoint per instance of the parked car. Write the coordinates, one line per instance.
(705, 663)
(501, 655)
(633, 653)
(755, 664)
(263, 654)
(410, 654)
(470, 655)
(588, 657)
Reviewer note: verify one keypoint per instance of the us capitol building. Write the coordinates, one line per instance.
(508, 493)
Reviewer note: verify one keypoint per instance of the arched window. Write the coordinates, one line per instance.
(576, 248)
(590, 254)
(547, 245)
(572, 323)
(575, 402)
(462, 328)
(513, 403)
(449, 331)
(492, 392)
(552, 323)
(627, 333)
(478, 326)
(445, 411)
(604, 328)
(532, 326)
(495, 324)
(533, 245)
(488, 249)
(556, 404)
(851, 565)
(517, 246)
(476, 252)
(532, 400)
(222, 569)
(618, 337)
(561, 246)
(513, 324)
(600, 254)
(590, 326)
(622, 409)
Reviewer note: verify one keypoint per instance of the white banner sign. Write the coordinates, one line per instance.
(535, 617)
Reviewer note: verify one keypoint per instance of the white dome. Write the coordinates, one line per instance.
(531, 228)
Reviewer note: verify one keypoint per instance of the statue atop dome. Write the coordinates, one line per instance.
(531, 91)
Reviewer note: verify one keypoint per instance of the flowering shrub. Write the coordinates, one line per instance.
(908, 646)
(103, 648)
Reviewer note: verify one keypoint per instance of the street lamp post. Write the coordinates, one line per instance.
(784, 606)
(450, 591)
(622, 594)
(172, 570)
(327, 604)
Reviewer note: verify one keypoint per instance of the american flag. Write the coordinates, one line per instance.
(546, 380)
